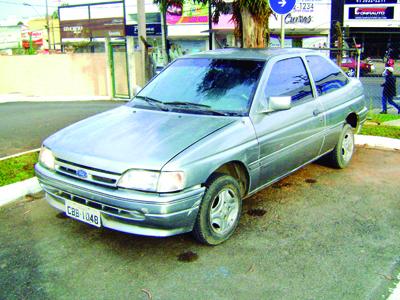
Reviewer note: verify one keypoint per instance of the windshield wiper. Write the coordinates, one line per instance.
(154, 102)
(204, 107)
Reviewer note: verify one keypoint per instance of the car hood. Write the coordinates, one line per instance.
(126, 138)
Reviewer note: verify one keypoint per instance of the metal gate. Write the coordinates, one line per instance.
(119, 70)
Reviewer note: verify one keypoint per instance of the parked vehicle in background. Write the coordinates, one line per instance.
(349, 65)
(210, 130)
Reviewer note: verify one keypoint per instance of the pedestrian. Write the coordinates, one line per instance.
(390, 63)
(389, 90)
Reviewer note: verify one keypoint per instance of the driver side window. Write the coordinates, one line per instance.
(289, 77)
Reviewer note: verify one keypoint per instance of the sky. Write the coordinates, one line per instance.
(16, 10)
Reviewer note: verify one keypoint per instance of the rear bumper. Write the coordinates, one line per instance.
(129, 211)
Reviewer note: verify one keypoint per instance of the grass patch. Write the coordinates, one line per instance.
(18, 168)
(380, 118)
(381, 130)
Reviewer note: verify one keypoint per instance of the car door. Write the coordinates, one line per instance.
(288, 138)
(332, 91)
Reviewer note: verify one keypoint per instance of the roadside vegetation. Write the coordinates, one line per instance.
(376, 126)
(17, 168)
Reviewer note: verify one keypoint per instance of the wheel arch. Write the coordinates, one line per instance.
(353, 120)
(237, 170)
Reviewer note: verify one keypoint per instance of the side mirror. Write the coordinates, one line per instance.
(278, 103)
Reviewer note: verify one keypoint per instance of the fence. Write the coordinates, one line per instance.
(369, 71)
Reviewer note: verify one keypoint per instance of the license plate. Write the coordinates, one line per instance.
(83, 213)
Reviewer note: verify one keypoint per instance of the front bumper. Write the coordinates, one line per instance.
(129, 211)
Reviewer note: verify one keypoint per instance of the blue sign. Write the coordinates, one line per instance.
(383, 13)
(370, 2)
(152, 29)
(282, 7)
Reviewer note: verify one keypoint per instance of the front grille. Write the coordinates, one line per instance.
(85, 173)
(110, 210)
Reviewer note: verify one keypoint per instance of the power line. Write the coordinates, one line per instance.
(26, 4)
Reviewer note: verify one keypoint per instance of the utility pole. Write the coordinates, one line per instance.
(210, 33)
(142, 36)
(47, 24)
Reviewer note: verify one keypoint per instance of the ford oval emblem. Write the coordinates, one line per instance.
(81, 173)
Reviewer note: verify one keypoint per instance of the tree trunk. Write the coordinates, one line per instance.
(254, 33)
(164, 29)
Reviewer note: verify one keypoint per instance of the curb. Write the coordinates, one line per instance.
(19, 154)
(12, 192)
(15, 191)
(377, 142)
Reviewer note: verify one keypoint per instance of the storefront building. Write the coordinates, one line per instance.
(84, 27)
(187, 29)
(10, 38)
(307, 25)
(374, 24)
(153, 27)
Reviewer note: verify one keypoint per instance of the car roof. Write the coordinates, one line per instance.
(256, 54)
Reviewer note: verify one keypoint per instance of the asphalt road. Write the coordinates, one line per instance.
(24, 125)
(373, 90)
(321, 233)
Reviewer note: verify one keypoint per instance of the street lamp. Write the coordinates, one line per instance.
(47, 18)
(27, 4)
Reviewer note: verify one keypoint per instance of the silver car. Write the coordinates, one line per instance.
(210, 130)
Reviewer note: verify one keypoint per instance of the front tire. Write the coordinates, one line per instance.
(219, 212)
(341, 155)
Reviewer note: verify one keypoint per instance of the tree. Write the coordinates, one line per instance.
(163, 6)
(251, 19)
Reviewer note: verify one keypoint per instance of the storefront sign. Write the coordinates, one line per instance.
(298, 19)
(151, 29)
(92, 20)
(382, 13)
(106, 27)
(35, 36)
(307, 15)
(188, 13)
(370, 1)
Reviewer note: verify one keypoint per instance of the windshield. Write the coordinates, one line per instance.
(205, 85)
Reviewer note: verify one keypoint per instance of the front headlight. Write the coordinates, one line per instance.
(171, 182)
(152, 181)
(46, 158)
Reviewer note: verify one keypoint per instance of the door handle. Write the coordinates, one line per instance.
(316, 112)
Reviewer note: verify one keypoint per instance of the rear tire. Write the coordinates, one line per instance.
(219, 212)
(341, 155)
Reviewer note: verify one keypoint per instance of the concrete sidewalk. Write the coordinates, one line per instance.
(16, 97)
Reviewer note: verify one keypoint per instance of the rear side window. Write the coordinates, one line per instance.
(327, 76)
(289, 78)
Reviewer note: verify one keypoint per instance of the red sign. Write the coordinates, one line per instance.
(35, 36)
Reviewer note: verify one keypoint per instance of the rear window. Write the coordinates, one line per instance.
(327, 76)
